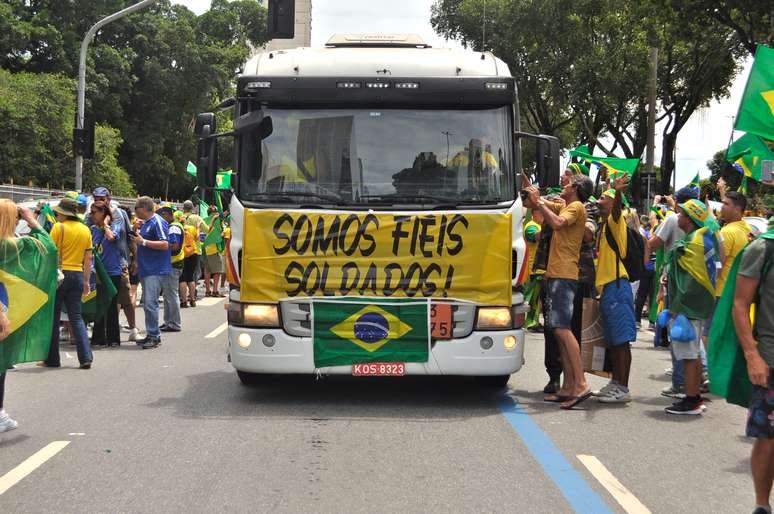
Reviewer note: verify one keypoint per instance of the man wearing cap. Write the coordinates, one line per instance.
(666, 236)
(170, 283)
(617, 301)
(73, 242)
(567, 222)
(190, 276)
(101, 195)
(153, 265)
(691, 269)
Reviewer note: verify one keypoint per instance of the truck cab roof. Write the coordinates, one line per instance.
(378, 55)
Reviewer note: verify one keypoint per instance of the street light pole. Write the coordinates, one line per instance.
(82, 76)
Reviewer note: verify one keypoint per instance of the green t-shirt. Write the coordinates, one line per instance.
(752, 267)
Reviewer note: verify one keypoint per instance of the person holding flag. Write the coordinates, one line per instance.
(106, 233)
(213, 262)
(28, 279)
(691, 268)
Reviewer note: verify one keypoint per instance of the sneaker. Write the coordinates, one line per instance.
(151, 342)
(668, 372)
(165, 328)
(687, 407)
(86, 365)
(605, 390)
(192, 302)
(761, 510)
(617, 394)
(134, 334)
(6, 423)
(671, 392)
(551, 387)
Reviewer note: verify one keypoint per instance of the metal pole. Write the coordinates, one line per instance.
(651, 145)
(82, 76)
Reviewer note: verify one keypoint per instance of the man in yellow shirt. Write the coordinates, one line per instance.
(735, 233)
(568, 223)
(73, 242)
(617, 302)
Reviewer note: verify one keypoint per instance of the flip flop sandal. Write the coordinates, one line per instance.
(576, 400)
(556, 398)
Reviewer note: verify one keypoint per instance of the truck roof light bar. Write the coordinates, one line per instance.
(348, 85)
(377, 85)
(496, 85)
(406, 85)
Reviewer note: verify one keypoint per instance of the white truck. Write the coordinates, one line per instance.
(374, 169)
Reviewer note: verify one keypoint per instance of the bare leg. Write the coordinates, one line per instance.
(622, 363)
(571, 361)
(568, 379)
(692, 377)
(183, 292)
(762, 463)
(207, 290)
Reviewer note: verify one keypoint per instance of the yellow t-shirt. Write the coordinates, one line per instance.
(735, 237)
(566, 243)
(606, 260)
(72, 243)
(194, 220)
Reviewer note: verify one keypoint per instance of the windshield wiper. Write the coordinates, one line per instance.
(416, 198)
(286, 195)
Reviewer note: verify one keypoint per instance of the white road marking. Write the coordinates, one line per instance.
(215, 333)
(18, 473)
(77, 433)
(622, 495)
(208, 301)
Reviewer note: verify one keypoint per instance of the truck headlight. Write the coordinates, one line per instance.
(253, 315)
(494, 318)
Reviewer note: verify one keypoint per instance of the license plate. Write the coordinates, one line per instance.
(441, 324)
(379, 369)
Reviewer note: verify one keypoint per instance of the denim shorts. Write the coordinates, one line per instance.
(559, 302)
(617, 311)
(760, 418)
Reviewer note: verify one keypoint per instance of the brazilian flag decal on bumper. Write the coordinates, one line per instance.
(359, 331)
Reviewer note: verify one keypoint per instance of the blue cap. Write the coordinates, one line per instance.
(687, 193)
(82, 200)
(101, 191)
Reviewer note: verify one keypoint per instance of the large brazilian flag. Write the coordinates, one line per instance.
(28, 289)
(359, 331)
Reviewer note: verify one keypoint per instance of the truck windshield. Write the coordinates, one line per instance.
(373, 156)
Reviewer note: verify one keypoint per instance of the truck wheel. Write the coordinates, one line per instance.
(493, 381)
(250, 379)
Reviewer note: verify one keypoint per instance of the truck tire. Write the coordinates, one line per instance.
(250, 379)
(493, 381)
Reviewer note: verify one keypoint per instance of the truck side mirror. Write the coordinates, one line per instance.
(547, 161)
(282, 19)
(206, 150)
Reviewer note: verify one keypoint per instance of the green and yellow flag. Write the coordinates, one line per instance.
(747, 155)
(359, 331)
(27, 289)
(614, 165)
(95, 305)
(46, 218)
(756, 111)
(215, 235)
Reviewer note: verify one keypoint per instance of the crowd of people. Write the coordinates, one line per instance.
(677, 261)
(165, 251)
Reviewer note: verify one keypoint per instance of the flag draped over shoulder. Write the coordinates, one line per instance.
(95, 305)
(46, 218)
(614, 165)
(747, 155)
(692, 274)
(756, 111)
(725, 357)
(28, 281)
(215, 235)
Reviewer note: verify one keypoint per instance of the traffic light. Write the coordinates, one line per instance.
(83, 139)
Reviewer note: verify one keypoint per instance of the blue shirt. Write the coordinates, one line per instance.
(154, 262)
(110, 251)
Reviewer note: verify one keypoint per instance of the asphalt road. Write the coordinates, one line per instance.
(173, 430)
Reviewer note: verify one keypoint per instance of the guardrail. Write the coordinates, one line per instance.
(26, 193)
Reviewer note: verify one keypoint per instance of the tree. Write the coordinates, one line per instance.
(751, 20)
(147, 74)
(104, 170)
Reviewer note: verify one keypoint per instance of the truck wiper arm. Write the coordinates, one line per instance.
(285, 195)
(414, 197)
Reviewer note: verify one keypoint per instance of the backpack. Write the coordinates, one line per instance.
(635, 253)
(190, 240)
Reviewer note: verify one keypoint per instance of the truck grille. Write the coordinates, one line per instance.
(297, 319)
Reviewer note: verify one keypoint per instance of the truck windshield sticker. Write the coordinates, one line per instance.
(464, 256)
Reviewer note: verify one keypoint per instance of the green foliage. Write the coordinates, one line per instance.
(147, 74)
(104, 170)
(36, 119)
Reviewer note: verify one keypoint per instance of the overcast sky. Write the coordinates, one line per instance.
(707, 131)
